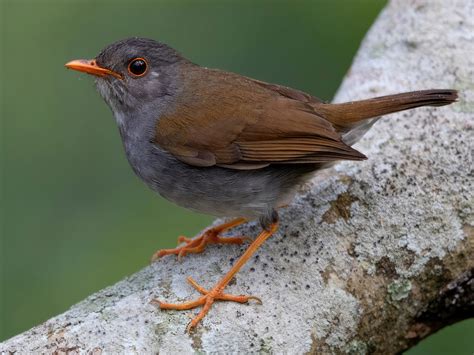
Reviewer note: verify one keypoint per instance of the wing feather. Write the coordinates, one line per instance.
(239, 123)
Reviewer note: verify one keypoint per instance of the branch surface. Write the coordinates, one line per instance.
(371, 256)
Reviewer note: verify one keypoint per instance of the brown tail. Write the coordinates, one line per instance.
(347, 115)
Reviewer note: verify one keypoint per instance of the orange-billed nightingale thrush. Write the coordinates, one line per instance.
(224, 144)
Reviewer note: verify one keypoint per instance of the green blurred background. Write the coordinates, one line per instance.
(75, 218)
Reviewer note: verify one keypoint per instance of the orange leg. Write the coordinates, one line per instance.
(216, 293)
(197, 245)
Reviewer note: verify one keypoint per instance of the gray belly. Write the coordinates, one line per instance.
(217, 191)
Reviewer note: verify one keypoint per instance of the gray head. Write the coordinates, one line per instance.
(133, 74)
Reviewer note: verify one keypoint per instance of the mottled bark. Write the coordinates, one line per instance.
(371, 256)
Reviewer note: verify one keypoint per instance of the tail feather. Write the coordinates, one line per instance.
(348, 115)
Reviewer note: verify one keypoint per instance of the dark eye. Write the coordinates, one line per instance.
(137, 67)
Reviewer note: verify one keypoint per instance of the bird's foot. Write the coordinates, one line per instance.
(198, 245)
(206, 301)
(217, 294)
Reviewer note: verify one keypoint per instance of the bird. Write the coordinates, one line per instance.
(227, 145)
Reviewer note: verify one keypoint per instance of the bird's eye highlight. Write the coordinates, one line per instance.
(137, 67)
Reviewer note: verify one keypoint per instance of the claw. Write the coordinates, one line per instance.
(198, 245)
(206, 301)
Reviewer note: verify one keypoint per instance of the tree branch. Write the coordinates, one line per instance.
(371, 256)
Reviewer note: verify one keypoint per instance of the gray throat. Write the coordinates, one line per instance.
(145, 158)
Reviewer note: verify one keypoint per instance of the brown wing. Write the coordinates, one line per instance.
(235, 122)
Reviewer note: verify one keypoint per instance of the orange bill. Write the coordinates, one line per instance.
(91, 67)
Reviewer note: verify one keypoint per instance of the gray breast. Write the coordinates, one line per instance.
(218, 191)
(212, 190)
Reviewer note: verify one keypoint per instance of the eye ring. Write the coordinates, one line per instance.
(138, 67)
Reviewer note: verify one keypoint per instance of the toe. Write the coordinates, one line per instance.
(180, 306)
